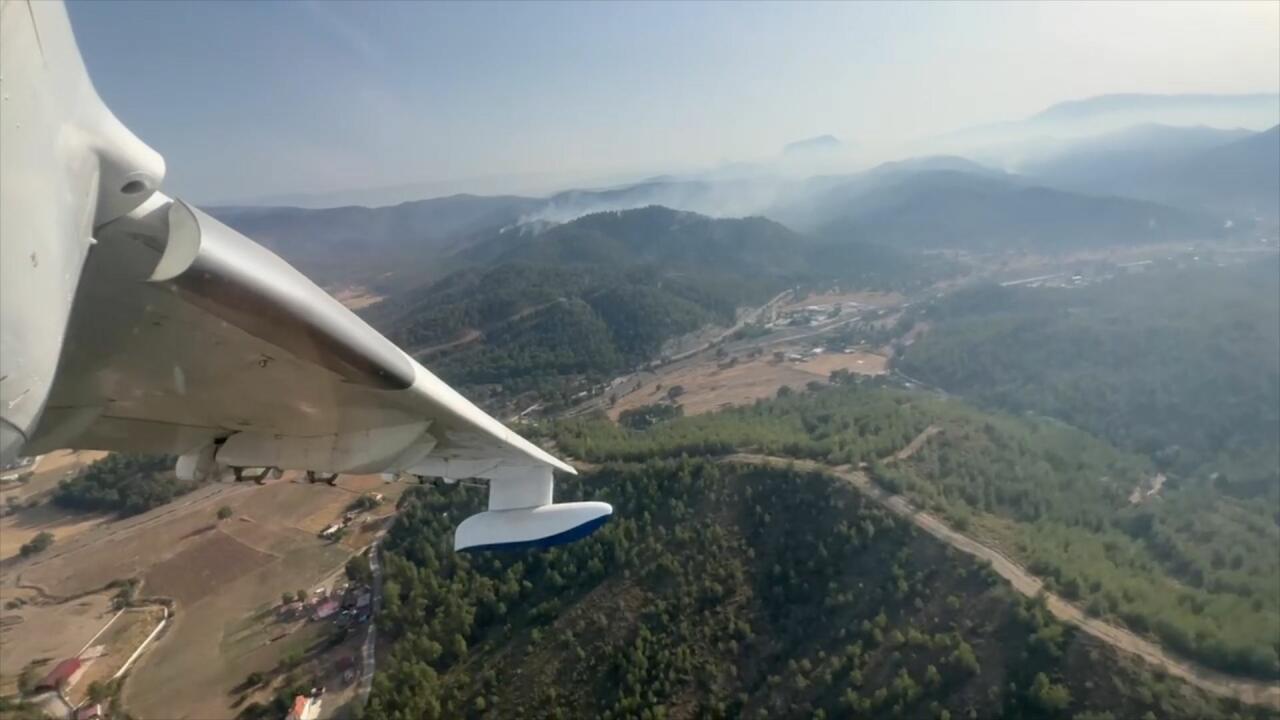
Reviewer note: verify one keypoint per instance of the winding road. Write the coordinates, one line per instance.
(367, 658)
(1254, 692)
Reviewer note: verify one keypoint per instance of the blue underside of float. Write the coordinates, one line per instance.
(568, 536)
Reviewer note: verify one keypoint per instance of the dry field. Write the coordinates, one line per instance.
(120, 639)
(202, 567)
(873, 299)
(47, 632)
(707, 387)
(220, 573)
(51, 469)
(356, 297)
(127, 548)
(191, 671)
(18, 529)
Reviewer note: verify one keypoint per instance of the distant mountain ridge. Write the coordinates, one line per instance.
(1231, 172)
(1167, 181)
(1211, 105)
(947, 209)
(353, 243)
(655, 235)
(1010, 142)
(819, 144)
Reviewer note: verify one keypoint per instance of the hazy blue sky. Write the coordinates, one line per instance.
(248, 100)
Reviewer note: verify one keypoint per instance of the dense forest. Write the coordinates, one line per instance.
(1193, 567)
(123, 484)
(723, 591)
(534, 327)
(1179, 365)
(594, 335)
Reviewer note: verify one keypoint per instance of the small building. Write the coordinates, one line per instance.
(89, 712)
(60, 675)
(363, 599)
(325, 609)
(300, 709)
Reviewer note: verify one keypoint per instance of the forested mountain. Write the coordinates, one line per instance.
(948, 209)
(717, 196)
(724, 591)
(532, 326)
(1194, 567)
(1180, 365)
(1241, 177)
(1113, 162)
(1235, 172)
(677, 241)
(589, 298)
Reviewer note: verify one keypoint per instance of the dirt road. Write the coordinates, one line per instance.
(914, 446)
(1254, 692)
(367, 655)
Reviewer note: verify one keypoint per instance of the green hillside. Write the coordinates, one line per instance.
(676, 241)
(1180, 365)
(724, 592)
(1194, 568)
(536, 327)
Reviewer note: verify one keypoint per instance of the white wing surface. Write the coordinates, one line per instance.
(132, 321)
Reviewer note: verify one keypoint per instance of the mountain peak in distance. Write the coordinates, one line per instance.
(811, 146)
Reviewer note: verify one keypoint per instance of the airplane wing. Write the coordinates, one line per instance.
(132, 321)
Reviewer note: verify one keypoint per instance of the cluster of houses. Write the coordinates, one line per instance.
(809, 315)
(59, 680)
(346, 604)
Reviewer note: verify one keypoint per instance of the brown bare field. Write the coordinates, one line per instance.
(219, 572)
(874, 299)
(201, 568)
(356, 297)
(18, 529)
(68, 460)
(128, 548)
(708, 387)
(205, 652)
(862, 363)
(45, 631)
